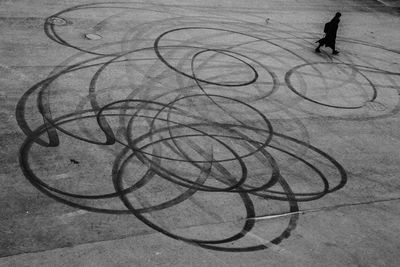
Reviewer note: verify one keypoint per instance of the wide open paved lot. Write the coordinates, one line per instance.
(199, 134)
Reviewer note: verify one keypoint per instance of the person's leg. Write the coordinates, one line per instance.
(334, 51)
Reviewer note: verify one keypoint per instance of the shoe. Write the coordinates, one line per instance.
(317, 50)
(335, 52)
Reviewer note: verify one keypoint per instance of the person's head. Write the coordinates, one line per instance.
(336, 19)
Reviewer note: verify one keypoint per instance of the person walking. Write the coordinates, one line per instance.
(330, 30)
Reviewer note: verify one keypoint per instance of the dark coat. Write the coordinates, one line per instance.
(330, 37)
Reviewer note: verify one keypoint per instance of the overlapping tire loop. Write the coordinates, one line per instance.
(189, 128)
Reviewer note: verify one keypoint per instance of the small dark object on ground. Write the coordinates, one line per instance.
(74, 161)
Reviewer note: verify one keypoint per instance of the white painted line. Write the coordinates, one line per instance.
(61, 176)
(72, 214)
